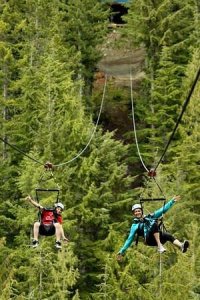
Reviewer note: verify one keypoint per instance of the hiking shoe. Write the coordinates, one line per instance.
(58, 245)
(185, 246)
(161, 249)
(35, 244)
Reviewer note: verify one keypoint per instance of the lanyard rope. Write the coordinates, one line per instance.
(93, 132)
(176, 125)
(134, 125)
(81, 152)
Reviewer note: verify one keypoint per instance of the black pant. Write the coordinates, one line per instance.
(47, 230)
(164, 236)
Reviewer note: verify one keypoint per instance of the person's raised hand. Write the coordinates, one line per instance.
(28, 198)
(119, 257)
(177, 198)
(65, 240)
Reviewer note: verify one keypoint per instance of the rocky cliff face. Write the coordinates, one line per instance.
(118, 61)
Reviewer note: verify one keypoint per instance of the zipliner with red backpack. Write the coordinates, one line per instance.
(50, 223)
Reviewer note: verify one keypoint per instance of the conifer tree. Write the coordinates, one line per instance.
(167, 45)
(47, 119)
(86, 29)
(50, 120)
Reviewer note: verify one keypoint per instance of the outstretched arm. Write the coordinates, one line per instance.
(36, 204)
(176, 198)
(158, 213)
(128, 242)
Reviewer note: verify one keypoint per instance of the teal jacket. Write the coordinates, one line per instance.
(146, 226)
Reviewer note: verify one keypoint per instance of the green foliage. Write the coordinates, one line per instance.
(86, 29)
(48, 54)
(167, 32)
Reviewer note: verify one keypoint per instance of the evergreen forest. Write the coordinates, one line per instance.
(54, 109)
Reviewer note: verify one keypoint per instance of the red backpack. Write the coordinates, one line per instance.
(48, 216)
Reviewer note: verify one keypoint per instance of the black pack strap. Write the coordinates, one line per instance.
(136, 239)
(162, 226)
(139, 231)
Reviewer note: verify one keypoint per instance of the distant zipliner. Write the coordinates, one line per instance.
(50, 223)
(148, 228)
(50, 219)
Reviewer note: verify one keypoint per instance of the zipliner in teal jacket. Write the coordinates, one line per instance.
(149, 221)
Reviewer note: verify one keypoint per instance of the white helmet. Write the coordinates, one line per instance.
(136, 206)
(59, 204)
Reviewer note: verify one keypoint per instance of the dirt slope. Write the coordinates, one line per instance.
(118, 61)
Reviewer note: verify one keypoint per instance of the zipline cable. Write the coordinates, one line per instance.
(165, 150)
(94, 130)
(81, 152)
(159, 187)
(20, 151)
(176, 125)
(153, 171)
(134, 125)
(180, 117)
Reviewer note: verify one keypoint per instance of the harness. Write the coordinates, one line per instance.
(149, 223)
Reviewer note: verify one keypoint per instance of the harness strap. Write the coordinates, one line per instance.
(139, 231)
